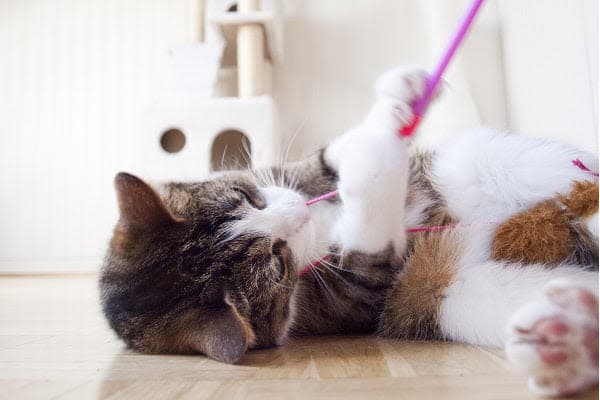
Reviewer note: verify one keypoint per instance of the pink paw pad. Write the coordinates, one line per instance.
(551, 331)
(555, 340)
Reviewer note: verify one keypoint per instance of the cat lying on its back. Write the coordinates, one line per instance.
(212, 267)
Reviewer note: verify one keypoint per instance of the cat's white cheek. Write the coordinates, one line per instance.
(286, 213)
(302, 244)
(286, 217)
(315, 238)
(283, 217)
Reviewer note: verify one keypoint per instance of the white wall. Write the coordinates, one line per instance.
(75, 80)
(551, 62)
(77, 77)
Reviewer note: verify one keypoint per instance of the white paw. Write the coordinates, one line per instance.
(397, 90)
(405, 84)
(555, 340)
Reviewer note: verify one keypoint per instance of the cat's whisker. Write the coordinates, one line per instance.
(223, 158)
(262, 174)
(258, 177)
(297, 131)
(322, 282)
(269, 178)
(254, 175)
(250, 170)
(332, 266)
(247, 153)
(264, 177)
(282, 172)
(295, 176)
(288, 148)
(291, 139)
(332, 269)
(282, 176)
(293, 181)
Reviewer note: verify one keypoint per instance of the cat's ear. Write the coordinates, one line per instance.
(140, 207)
(225, 336)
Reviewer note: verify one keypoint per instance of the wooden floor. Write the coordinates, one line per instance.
(54, 344)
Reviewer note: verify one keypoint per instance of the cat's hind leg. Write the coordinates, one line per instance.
(555, 340)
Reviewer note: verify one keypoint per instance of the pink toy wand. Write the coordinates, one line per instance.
(421, 105)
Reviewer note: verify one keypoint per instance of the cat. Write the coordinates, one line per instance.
(212, 267)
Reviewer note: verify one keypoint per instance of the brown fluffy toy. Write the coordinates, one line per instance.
(553, 231)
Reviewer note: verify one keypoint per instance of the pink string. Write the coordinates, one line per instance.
(576, 162)
(416, 229)
(322, 197)
(579, 164)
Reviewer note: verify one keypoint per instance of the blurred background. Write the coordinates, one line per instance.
(92, 87)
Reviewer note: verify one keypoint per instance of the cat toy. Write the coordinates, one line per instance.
(421, 105)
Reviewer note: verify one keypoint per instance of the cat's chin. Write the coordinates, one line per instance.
(302, 243)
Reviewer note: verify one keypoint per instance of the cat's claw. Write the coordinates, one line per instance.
(555, 340)
(405, 84)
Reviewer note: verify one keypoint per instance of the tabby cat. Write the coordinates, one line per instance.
(213, 267)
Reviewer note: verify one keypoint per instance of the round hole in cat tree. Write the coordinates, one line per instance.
(233, 8)
(172, 140)
(231, 149)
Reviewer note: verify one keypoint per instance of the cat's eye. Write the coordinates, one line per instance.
(252, 200)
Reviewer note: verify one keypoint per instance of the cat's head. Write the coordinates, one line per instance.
(205, 267)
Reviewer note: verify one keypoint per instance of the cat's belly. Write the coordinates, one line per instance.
(486, 175)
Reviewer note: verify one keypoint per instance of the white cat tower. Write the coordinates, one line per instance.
(218, 104)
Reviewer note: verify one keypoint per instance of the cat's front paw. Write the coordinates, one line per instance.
(405, 84)
(397, 90)
(555, 340)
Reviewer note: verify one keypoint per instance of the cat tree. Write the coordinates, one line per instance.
(217, 112)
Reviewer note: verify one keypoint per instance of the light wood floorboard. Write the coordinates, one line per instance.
(54, 344)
